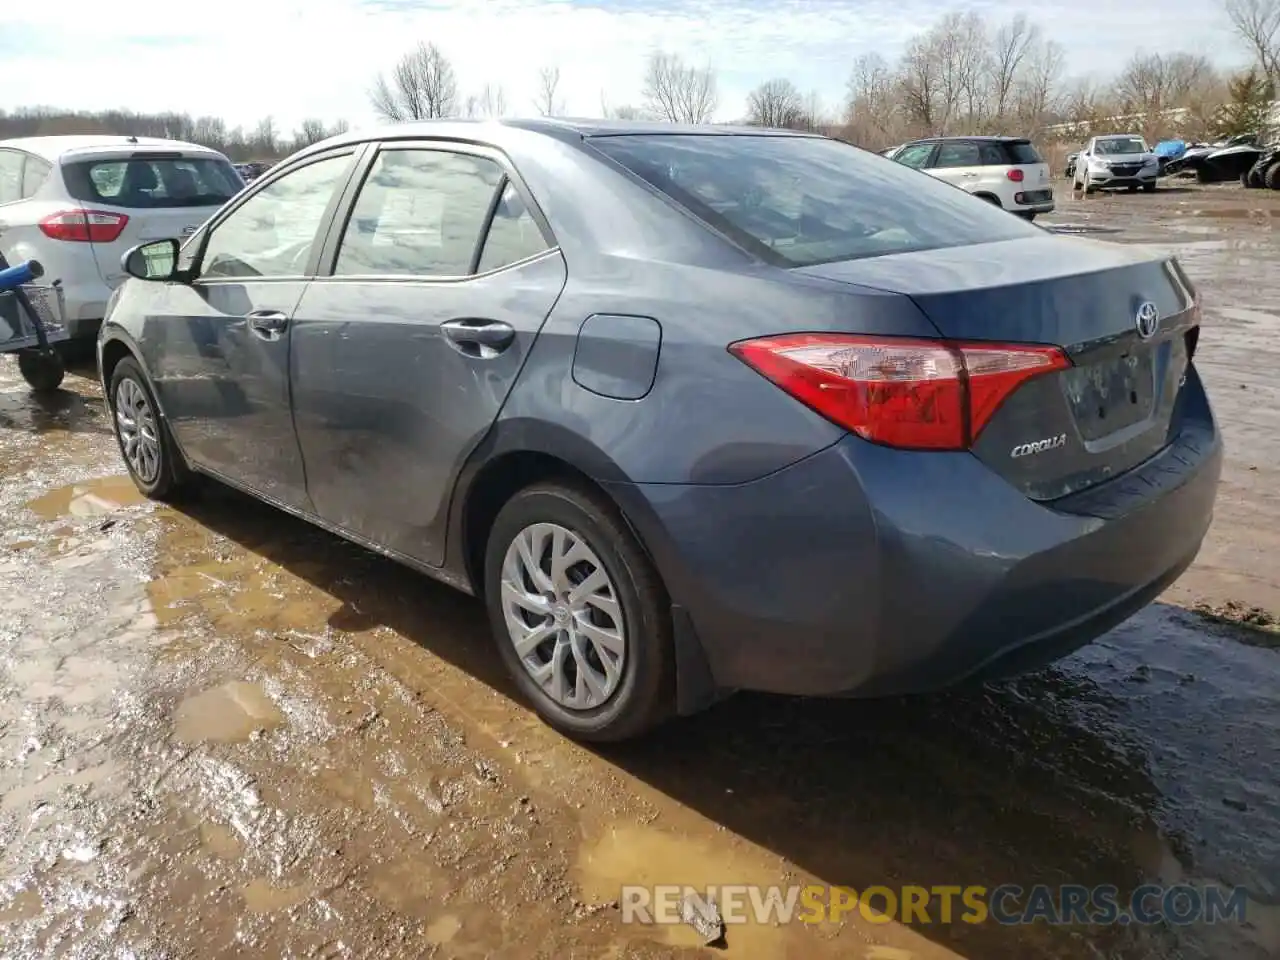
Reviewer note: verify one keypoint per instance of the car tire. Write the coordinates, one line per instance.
(1272, 177)
(42, 369)
(150, 455)
(1087, 186)
(625, 701)
(1149, 187)
(1248, 181)
(1132, 188)
(1026, 215)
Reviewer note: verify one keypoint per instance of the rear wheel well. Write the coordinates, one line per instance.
(498, 481)
(990, 198)
(113, 351)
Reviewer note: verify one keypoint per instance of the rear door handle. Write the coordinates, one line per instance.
(268, 323)
(479, 338)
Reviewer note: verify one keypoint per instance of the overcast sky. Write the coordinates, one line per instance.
(244, 59)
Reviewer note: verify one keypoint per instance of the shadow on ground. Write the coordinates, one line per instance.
(1039, 780)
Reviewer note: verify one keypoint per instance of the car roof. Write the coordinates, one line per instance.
(54, 148)
(504, 131)
(1119, 136)
(1001, 138)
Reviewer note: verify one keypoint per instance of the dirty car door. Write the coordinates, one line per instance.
(218, 348)
(442, 277)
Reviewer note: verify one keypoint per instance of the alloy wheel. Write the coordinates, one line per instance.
(563, 616)
(136, 426)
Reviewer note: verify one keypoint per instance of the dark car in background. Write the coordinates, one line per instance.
(693, 409)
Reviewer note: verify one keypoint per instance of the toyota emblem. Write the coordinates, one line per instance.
(1147, 320)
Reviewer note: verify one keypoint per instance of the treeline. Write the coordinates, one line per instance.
(263, 142)
(963, 74)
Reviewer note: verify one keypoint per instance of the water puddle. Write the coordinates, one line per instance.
(1233, 213)
(91, 498)
(627, 855)
(444, 929)
(226, 714)
(261, 897)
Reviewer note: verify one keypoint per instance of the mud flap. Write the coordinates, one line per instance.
(696, 688)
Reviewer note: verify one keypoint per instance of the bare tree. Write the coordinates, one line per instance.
(422, 86)
(1036, 90)
(1012, 44)
(776, 103)
(311, 131)
(623, 111)
(872, 113)
(547, 101)
(1154, 84)
(679, 92)
(264, 140)
(1257, 23)
(813, 115)
(492, 102)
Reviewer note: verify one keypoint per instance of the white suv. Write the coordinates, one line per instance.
(1116, 160)
(1006, 171)
(77, 204)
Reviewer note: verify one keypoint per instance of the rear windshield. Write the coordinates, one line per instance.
(799, 201)
(1022, 152)
(152, 183)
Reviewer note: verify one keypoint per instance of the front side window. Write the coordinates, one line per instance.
(799, 201)
(271, 233)
(153, 182)
(959, 154)
(420, 213)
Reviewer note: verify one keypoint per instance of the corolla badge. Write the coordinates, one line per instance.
(1038, 446)
(1147, 320)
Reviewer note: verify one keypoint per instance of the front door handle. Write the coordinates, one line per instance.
(479, 338)
(268, 324)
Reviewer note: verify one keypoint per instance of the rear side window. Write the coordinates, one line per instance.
(961, 153)
(1020, 151)
(34, 174)
(513, 234)
(419, 213)
(798, 201)
(10, 176)
(141, 182)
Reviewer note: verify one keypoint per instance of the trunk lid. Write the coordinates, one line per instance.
(1117, 405)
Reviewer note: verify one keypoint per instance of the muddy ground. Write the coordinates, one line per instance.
(224, 733)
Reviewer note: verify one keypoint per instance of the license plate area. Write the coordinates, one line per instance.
(1111, 394)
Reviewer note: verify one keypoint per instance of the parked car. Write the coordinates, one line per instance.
(1265, 171)
(253, 170)
(693, 409)
(1116, 160)
(1004, 171)
(77, 203)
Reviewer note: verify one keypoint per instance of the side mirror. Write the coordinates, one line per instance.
(156, 260)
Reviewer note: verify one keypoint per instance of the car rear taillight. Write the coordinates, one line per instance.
(914, 394)
(1015, 175)
(84, 226)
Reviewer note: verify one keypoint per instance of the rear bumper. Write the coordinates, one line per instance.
(867, 571)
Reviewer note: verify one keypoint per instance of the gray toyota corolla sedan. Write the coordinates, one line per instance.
(692, 409)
